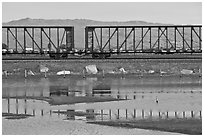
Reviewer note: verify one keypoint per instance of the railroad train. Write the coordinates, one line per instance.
(102, 41)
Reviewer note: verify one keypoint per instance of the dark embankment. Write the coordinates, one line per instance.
(185, 126)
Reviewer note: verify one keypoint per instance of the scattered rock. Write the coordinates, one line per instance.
(123, 70)
(43, 69)
(30, 73)
(91, 69)
(4, 72)
(151, 71)
(186, 71)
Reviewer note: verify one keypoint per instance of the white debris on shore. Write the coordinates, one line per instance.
(186, 71)
(64, 72)
(43, 69)
(91, 69)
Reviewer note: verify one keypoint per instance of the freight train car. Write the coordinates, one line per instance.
(57, 42)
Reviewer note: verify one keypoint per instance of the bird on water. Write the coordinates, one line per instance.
(157, 101)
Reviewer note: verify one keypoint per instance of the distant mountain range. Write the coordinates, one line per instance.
(79, 25)
(74, 22)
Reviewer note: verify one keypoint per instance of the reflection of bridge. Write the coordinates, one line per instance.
(103, 41)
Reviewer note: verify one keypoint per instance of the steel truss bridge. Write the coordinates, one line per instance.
(103, 41)
(38, 38)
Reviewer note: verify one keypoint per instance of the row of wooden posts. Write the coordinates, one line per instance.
(147, 114)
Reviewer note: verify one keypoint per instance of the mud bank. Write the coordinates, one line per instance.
(62, 100)
(185, 126)
(131, 66)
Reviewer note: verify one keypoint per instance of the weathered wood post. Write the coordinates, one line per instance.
(143, 113)
(33, 112)
(45, 74)
(176, 115)
(192, 114)
(184, 115)
(102, 114)
(118, 114)
(151, 113)
(134, 113)
(84, 76)
(126, 113)
(25, 74)
(64, 74)
(200, 114)
(109, 113)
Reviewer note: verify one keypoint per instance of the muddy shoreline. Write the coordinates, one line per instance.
(184, 126)
(109, 67)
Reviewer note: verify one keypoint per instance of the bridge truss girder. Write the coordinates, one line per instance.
(142, 38)
(37, 37)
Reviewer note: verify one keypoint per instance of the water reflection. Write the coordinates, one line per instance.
(136, 91)
(99, 86)
(41, 109)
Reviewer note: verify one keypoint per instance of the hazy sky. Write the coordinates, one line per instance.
(175, 13)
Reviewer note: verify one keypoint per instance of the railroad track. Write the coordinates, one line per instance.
(111, 58)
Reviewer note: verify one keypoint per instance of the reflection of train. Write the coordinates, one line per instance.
(101, 89)
(101, 41)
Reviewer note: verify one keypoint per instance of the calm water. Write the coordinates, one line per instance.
(177, 97)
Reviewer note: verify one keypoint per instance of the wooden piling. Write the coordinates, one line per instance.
(33, 112)
(141, 73)
(6, 73)
(58, 113)
(16, 109)
(25, 74)
(103, 74)
(143, 113)
(16, 100)
(50, 112)
(192, 114)
(176, 115)
(45, 74)
(42, 112)
(109, 113)
(118, 114)
(150, 113)
(84, 76)
(25, 110)
(134, 113)
(101, 114)
(200, 114)
(122, 74)
(8, 105)
(126, 115)
(184, 115)
(200, 73)
(64, 74)
(160, 73)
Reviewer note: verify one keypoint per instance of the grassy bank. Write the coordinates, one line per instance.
(185, 126)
